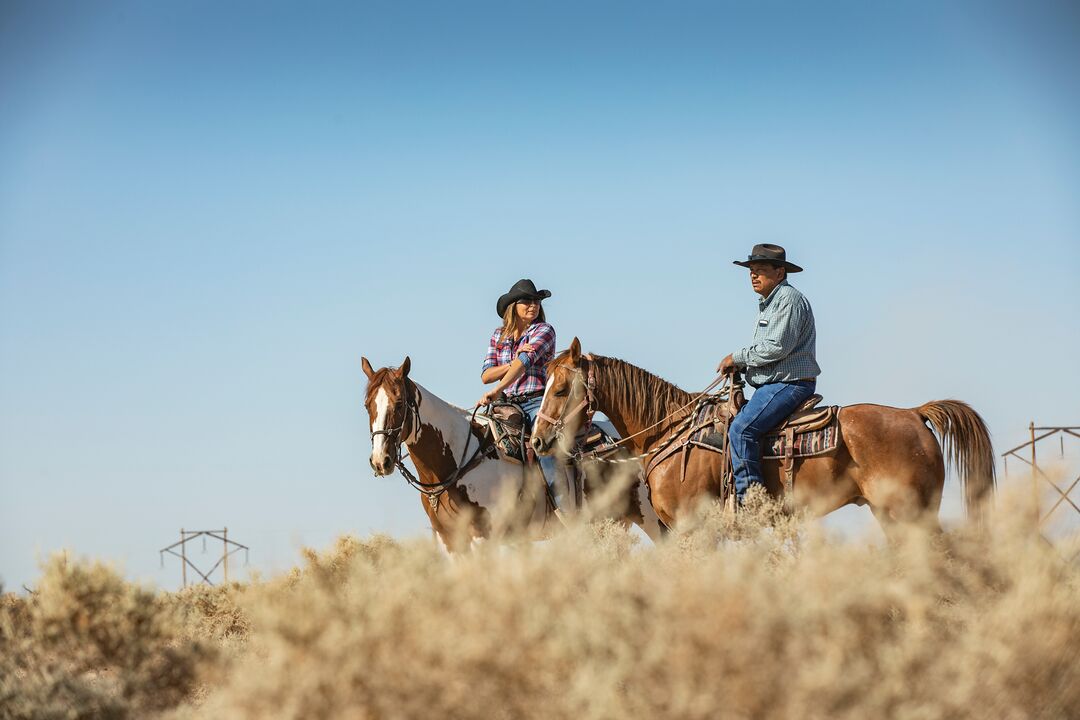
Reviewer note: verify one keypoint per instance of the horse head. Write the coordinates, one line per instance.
(391, 406)
(566, 402)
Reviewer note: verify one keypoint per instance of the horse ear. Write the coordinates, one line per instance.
(367, 367)
(404, 371)
(575, 351)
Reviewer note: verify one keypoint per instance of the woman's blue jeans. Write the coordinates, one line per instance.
(767, 407)
(548, 464)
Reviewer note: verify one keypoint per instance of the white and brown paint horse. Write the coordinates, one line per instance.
(440, 439)
(888, 457)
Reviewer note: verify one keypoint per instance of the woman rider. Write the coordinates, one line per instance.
(517, 358)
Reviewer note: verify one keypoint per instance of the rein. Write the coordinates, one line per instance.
(432, 490)
(587, 405)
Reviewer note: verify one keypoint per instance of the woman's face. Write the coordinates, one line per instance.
(526, 311)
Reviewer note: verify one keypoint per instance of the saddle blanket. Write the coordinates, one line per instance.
(773, 446)
(705, 421)
(817, 442)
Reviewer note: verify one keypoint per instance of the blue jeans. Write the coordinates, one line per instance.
(767, 407)
(549, 465)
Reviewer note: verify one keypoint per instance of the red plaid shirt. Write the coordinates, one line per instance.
(502, 352)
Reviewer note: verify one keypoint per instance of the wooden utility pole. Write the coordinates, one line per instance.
(183, 555)
(228, 547)
(1040, 480)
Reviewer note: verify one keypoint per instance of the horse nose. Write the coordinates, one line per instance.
(537, 444)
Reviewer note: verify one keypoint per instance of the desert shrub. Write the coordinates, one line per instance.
(88, 644)
(212, 612)
(759, 614)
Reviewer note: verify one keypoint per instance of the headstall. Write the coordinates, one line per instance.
(587, 382)
(432, 490)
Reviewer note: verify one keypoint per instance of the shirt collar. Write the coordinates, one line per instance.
(764, 302)
(510, 340)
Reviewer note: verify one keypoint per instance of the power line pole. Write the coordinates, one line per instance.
(228, 547)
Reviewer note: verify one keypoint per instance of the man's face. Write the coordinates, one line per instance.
(764, 277)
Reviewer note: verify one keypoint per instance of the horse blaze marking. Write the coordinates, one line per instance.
(382, 407)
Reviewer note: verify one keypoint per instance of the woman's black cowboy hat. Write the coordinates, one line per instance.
(522, 290)
(771, 254)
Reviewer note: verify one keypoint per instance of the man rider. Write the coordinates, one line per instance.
(779, 363)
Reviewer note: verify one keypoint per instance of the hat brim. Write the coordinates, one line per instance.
(509, 298)
(791, 267)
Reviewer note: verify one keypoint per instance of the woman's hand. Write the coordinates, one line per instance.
(526, 348)
(489, 397)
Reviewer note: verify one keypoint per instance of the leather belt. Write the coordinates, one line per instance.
(524, 396)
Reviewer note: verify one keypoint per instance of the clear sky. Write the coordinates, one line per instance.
(209, 211)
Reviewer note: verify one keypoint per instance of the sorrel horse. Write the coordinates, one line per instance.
(461, 480)
(888, 458)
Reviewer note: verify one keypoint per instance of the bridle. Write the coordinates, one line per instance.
(412, 417)
(587, 382)
(412, 412)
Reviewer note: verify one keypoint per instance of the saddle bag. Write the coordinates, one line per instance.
(506, 422)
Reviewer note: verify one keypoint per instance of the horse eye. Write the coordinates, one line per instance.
(562, 393)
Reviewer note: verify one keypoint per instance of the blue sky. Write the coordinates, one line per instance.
(209, 212)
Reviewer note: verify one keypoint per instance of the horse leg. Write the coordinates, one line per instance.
(649, 520)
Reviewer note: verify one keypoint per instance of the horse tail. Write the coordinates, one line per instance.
(965, 442)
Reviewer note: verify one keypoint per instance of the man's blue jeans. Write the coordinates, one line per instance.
(548, 464)
(767, 407)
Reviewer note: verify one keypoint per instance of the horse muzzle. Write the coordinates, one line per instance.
(540, 445)
(383, 466)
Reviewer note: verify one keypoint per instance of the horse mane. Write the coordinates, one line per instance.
(379, 377)
(629, 386)
(633, 387)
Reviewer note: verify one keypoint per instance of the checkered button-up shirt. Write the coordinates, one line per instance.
(784, 346)
(502, 352)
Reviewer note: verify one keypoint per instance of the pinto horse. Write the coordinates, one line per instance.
(888, 457)
(460, 477)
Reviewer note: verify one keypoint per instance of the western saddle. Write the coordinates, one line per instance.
(807, 417)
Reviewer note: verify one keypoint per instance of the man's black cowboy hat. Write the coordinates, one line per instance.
(522, 290)
(771, 254)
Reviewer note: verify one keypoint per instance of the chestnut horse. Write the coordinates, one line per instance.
(460, 479)
(888, 458)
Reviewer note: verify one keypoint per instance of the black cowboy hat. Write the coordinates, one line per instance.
(522, 290)
(769, 254)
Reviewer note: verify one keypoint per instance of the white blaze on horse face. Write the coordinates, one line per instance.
(547, 389)
(378, 442)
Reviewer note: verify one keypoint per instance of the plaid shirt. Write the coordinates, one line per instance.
(785, 339)
(502, 352)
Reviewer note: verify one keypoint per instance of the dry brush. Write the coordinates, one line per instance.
(760, 615)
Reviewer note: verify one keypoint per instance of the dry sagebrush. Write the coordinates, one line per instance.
(89, 644)
(753, 616)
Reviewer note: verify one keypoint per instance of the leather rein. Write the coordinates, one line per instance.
(412, 417)
(587, 381)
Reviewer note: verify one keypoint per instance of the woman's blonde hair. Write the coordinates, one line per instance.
(510, 321)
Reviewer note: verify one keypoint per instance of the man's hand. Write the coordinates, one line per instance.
(727, 366)
(489, 397)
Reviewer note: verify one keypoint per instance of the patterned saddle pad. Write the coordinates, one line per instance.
(807, 444)
(773, 445)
